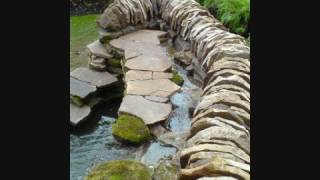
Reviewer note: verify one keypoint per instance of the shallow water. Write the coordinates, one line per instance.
(92, 143)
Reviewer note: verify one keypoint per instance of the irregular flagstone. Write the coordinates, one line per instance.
(218, 166)
(129, 54)
(145, 36)
(78, 114)
(80, 89)
(157, 99)
(161, 75)
(148, 63)
(97, 49)
(160, 87)
(150, 112)
(98, 79)
(133, 75)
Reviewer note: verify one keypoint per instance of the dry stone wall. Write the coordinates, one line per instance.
(219, 144)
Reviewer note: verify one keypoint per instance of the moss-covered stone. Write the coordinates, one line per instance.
(120, 170)
(130, 129)
(166, 170)
(76, 101)
(176, 78)
(114, 62)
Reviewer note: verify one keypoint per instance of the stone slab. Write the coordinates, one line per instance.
(78, 114)
(160, 87)
(150, 112)
(133, 75)
(97, 49)
(161, 75)
(80, 88)
(98, 79)
(148, 63)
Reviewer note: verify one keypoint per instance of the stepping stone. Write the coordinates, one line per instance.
(148, 63)
(150, 112)
(157, 99)
(160, 87)
(129, 54)
(145, 36)
(80, 88)
(133, 75)
(98, 79)
(78, 114)
(97, 49)
(161, 75)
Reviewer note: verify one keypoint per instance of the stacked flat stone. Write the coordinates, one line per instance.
(219, 144)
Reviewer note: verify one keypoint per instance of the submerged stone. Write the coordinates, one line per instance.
(120, 170)
(130, 129)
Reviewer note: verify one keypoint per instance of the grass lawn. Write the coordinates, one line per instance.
(82, 32)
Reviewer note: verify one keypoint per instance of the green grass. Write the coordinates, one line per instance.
(82, 32)
(234, 14)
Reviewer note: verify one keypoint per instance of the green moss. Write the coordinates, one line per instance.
(130, 129)
(76, 101)
(114, 62)
(176, 78)
(166, 170)
(120, 170)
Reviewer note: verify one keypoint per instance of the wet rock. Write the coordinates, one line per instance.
(174, 139)
(78, 114)
(81, 89)
(166, 170)
(157, 129)
(160, 87)
(130, 129)
(98, 79)
(150, 112)
(120, 169)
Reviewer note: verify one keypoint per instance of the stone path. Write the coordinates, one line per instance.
(84, 83)
(148, 84)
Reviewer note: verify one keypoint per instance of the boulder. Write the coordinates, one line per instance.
(130, 129)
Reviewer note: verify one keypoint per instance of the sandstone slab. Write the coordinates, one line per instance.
(133, 75)
(80, 89)
(98, 79)
(160, 87)
(150, 112)
(161, 75)
(148, 63)
(78, 114)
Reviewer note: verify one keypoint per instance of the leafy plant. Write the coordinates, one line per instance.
(235, 14)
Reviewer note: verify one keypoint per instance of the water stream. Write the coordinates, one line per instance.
(93, 143)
